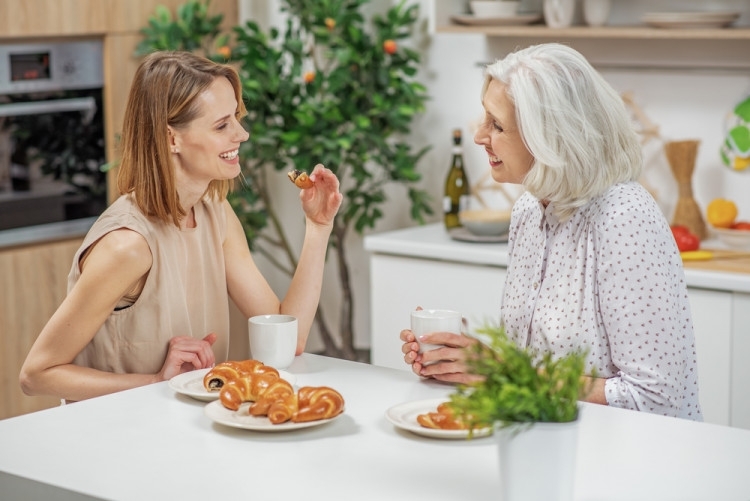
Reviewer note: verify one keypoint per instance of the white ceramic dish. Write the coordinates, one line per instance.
(733, 238)
(463, 235)
(518, 19)
(485, 222)
(191, 384)
(404, 416)
(242, 419)
(687, 20)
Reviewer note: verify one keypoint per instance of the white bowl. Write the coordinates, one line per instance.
(734, 238)
(494, 8)
(485, 222)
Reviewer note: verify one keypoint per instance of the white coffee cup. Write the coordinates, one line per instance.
(428, 321)
(273, 339)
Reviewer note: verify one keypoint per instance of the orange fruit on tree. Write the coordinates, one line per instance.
(309, 76)
(390, 46)
(721, 213)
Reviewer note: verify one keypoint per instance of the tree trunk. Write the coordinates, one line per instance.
(347, 300)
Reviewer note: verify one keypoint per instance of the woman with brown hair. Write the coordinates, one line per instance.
(148, 292)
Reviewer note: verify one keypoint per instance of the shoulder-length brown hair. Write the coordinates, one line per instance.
(164, 93)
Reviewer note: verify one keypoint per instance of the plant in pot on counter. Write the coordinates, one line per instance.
(337, 88)
(531, 398)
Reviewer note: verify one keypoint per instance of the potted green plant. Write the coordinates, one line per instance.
(531, 398)
(337, 87)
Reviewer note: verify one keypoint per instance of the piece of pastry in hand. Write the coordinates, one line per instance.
(300, 179)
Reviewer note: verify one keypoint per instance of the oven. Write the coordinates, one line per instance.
(52, 143)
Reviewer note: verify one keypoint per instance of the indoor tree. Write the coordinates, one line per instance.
(334, 88)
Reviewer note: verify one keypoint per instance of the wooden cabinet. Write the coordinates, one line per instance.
(33, 281)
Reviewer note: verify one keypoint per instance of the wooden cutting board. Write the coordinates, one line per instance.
(723, 260)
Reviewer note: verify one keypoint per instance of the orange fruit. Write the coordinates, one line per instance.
(330, 23)
(390, 46)
(309, 76)
(721, 213)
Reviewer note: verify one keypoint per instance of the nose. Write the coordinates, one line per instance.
(242, 134)
(480, 136)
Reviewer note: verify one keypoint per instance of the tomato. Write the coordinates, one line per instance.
(741, 225)
(685, 240)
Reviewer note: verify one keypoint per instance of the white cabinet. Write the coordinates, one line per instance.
(423, 267)
(399, 284)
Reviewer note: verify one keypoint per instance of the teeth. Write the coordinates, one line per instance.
(230, 155)
(494, 159)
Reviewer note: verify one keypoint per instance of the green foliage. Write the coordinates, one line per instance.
(348, 114)
(520, 385)
(191, 30)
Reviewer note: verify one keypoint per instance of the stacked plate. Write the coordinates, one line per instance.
(686, 20)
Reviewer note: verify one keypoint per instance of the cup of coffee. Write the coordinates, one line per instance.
(428, 321)
(273, 339)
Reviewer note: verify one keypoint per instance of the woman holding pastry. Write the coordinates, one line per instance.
(149, 288)
(592, 263)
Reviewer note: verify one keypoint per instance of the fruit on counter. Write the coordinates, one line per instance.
(697, 255)
(721, 213)
(741, 225)
(686, 241)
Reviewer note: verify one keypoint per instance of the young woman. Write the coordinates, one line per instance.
(149, 289)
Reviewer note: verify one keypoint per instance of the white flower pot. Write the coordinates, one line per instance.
(538, 463)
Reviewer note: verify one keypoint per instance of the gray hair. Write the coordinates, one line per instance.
(572, 121)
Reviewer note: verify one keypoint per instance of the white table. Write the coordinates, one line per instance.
(151, 444)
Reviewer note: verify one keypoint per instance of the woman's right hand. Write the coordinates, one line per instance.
(445, 363)
(186, 354)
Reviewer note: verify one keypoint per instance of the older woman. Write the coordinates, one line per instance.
(149, 289)
(592, 261)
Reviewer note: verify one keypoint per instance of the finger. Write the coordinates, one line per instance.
(448, 339)
(211, 338)
(407, 336)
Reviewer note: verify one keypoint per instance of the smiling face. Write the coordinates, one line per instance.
(499, 135)
(207, 148)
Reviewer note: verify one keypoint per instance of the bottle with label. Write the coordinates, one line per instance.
(457, 187)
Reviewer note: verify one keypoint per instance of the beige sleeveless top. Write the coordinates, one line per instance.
(185, 293)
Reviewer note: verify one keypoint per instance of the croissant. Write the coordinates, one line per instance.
(443, 419)
(316, 403)
(283, 409)
(245, 389)
(217, 377)
(277, 390)
(300, 179)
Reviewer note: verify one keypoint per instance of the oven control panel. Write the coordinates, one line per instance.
(40, 67)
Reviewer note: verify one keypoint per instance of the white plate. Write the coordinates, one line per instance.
(733, 238)
(242, 419)
(191, 384)
(404, 416)
(464, 235)
(497, 21)
(690, 19)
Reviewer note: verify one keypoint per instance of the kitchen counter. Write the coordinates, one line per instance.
(423, 266)
(150, 443)
(433, 242)
(43, 233)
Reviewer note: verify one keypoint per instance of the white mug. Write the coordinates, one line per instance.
(273, 339)
(427, 321)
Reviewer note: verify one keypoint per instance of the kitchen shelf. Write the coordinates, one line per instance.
(604, 32)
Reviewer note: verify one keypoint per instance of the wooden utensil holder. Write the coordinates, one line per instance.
(681, 156)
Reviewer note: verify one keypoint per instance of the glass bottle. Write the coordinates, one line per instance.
(457, 190)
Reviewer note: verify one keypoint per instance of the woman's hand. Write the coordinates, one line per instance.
(186, 354)
(445, 363)
(322, 201)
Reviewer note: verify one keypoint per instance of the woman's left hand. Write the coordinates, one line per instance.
(322, 201)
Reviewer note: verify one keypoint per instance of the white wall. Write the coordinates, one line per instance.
(684, 103)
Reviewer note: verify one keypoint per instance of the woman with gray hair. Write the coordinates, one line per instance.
(592, 261)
